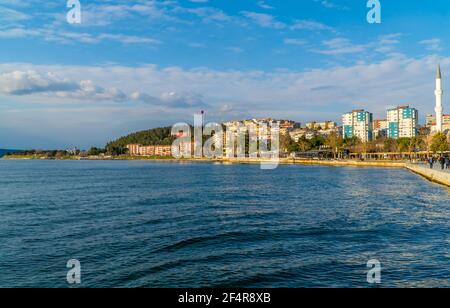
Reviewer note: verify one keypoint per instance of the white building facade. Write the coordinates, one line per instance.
(358, 123)
(403, 122)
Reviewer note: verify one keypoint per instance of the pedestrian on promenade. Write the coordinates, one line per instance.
(431, 162)
(447, 163)
(442, 162)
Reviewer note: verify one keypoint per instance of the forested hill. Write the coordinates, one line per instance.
(4, 152)
(156, 136)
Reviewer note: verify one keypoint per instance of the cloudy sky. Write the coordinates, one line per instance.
(133, 65)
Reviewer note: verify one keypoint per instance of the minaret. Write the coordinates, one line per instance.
(439, 94)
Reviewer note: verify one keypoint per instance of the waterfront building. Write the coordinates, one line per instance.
(358, 123)
(380, 128)
(133, 149)
(163, 150)
(158, 150)
(403, 122)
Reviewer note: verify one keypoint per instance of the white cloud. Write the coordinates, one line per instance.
(68, 37)
(170, 99)
(339, 46)
(105, 14)
(49, 84)
(312, 94)
(11, 15)
(30, 82)
(311, 25)
(432, 44)
(208, 14)
(331, 5)
(264, 5)
(264, 20)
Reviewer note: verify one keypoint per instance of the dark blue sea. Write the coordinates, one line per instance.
(151, 224)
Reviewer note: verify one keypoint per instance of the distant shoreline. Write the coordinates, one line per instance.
(282, 161)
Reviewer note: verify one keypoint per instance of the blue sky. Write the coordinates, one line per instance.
(133, 65)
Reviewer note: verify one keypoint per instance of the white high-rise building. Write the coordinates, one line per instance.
(358, 123)
(403, 122)
(439, 93)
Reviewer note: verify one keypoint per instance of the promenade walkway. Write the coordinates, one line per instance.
(436, 174)
(437, 167)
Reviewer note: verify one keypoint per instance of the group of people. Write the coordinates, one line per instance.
(444, 161)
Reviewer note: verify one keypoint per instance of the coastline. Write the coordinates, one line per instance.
(432, 175)
(435, 176)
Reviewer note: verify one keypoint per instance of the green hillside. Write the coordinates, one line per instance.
(3, 152)
(156, 136)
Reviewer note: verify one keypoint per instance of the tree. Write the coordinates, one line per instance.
(285, 142)
(417, 143)
(116, 150)
(404, 144)
(95, 151)
(439, 143)
(351, 142)
(293, 147)
(317, 141)
(390, 145)
(304, 144)
(335, 142)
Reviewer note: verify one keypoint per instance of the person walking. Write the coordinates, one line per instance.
(431, 162)
(447, 163)
(442, 162)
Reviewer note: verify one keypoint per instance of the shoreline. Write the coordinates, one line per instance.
(435, 176)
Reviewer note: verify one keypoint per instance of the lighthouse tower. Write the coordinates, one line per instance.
(439, 93)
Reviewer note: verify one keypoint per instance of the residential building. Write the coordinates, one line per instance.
(403, 122)
(380, 128)
(158, 150)
(327, 125)
(446, 122)
(358, 123)
(430, 120)
(286, 126)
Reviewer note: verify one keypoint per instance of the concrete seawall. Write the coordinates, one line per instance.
(436, 176)
(331, 163)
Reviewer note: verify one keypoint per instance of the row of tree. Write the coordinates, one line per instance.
(334, 142)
